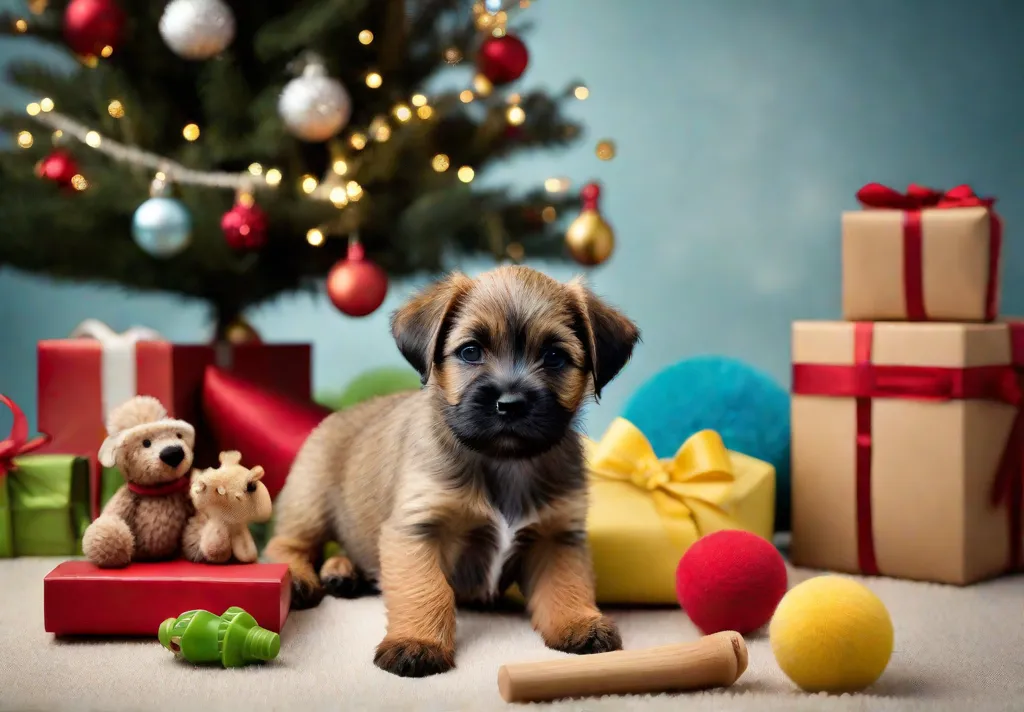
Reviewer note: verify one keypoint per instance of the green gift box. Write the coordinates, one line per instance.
(111, 480)
(46, 501)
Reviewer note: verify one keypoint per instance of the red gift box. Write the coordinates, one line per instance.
(81, 379)
(82, 599)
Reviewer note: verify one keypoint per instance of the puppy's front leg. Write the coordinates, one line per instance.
(558, 584)
(420, 605)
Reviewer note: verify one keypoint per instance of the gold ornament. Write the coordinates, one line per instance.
(605, 149)
(589, 238)
(240, 332)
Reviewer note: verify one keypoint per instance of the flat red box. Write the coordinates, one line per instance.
(82, 599)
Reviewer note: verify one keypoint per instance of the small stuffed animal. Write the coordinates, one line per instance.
(145, 518)
(226, 499)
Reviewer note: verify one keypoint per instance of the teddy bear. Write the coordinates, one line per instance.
(146, 517)
(226, 499)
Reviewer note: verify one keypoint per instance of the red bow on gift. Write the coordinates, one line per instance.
(17, 443)
(918, 197)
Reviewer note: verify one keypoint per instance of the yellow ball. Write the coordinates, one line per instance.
(831, 634)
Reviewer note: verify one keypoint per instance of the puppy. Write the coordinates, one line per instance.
(450, 494)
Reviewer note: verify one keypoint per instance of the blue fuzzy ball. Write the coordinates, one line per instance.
(748, 408)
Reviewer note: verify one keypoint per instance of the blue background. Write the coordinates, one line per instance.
(744, 128)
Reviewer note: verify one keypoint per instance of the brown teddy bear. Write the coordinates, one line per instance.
(227, 499)
(146, 517)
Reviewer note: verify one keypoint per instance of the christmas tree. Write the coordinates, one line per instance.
(231, 152)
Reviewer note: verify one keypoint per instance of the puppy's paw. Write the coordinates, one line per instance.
(341, 579)
(592, 635)
(413, 658)
(306, 593)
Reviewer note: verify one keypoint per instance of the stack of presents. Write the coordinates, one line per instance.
(52, 486)
(907, 439)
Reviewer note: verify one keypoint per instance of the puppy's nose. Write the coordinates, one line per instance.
(512, 405)
(172, 455)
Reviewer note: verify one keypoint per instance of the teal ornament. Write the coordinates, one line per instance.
(162, 226)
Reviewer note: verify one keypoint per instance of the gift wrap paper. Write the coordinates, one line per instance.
(905, 483)
(6, 533)
(939, 264)
(49, 504)
(645, 512)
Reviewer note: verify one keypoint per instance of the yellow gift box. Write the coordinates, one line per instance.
(645, 512)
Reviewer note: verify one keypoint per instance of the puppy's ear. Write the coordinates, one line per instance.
(420, 326)
(607, 334)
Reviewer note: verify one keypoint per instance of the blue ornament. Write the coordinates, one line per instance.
(162, 226)
(748, 408)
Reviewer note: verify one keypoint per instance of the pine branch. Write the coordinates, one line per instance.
(304, 25)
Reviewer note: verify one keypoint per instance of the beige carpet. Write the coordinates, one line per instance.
(956, 649)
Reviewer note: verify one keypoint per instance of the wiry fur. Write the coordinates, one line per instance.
(133, 527)
(227, 499)
(440, 499)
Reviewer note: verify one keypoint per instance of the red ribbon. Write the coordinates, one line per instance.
(865, 381)
(17, 443)
(912, 202)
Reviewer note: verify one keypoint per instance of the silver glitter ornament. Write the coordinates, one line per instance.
(197, 29)
(313, 106)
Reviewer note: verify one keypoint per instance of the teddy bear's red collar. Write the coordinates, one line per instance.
(164, 488)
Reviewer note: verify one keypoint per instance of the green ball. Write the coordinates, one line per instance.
(380, 381)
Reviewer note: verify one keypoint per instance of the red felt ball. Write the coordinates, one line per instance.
(59, 166)
(244, 226)
(91, 25)
(731, 580)
(355, 285)
(502, 59)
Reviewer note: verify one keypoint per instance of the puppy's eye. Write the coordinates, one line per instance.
(471, 353)
(146, 443)
(251, 487)
(554, 358)
(179, 435)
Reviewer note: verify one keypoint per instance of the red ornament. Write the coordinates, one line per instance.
(502, 59)
(60, 167)
(355, 285)
(730, 580)
(244, 226)
(91, 25)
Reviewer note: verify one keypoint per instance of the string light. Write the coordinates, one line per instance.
(340, 167)
(482, 85)
(466, 174)
(115, 109)
(365, 37)
(339, 197)
(453, 55)
(354, 191)
(91, 61)
(523, 4)
(46, 104)
(37, 7)
(402, 112)
(357, 141)
(548, 214)
(309, 184)
(25, 139)
(255, 169)
(379, 129)
(93, 139)
(514, 99)
(424, 112)
(440, 163)
(33, 109)
(273, 177)
(418, 100)
(315, 237)
(190, 132)
(466, 95)
(515, 251)
(20, 25)
(516, 115)
(557, 185)
(581, 92)
(56, 135)
(246, 199)
(106, 51)
(374, 80)
(78, 182)
(605, 150)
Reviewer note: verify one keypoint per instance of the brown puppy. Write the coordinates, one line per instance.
(452, 493)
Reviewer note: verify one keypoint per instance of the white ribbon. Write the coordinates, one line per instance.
(117, 370)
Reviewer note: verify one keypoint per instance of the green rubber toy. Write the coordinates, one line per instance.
(233, 639)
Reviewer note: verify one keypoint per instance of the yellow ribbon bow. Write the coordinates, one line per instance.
(692, 490)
